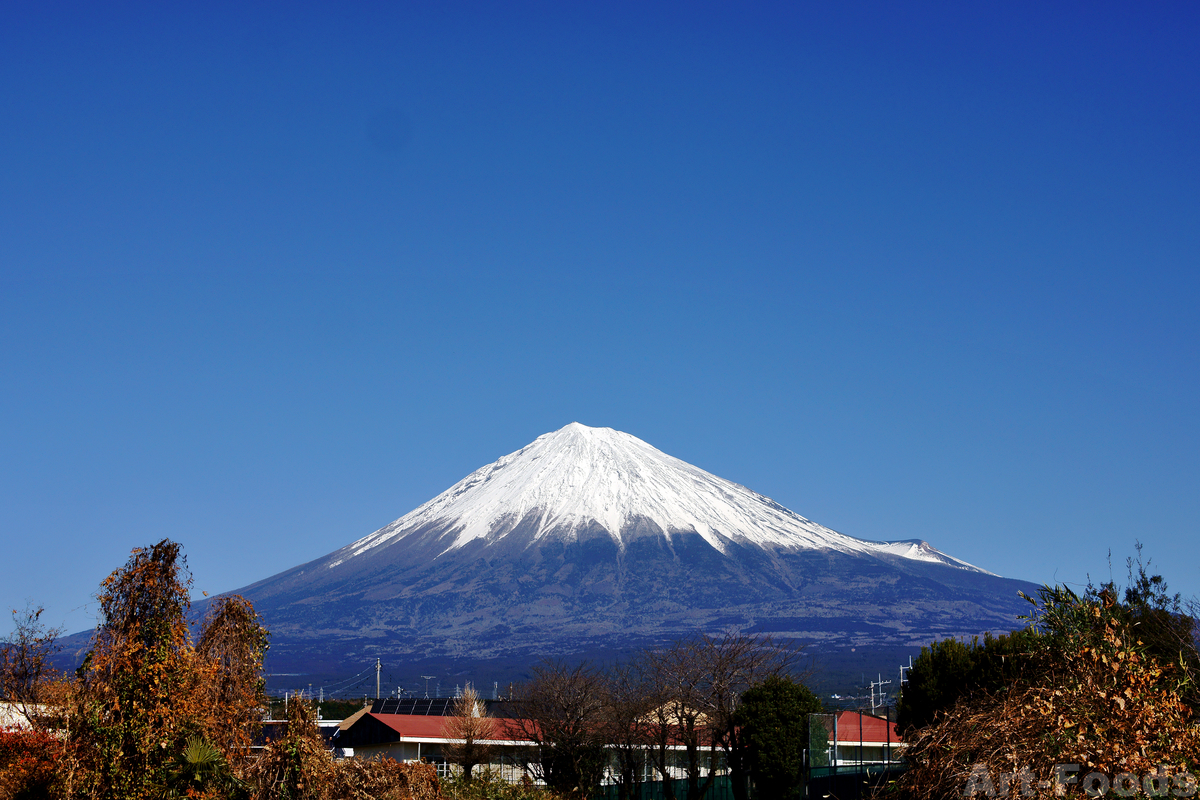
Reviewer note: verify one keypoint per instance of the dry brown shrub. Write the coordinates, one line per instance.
(1108, 706)
(299, 766)
(229, 658)
(383, 779)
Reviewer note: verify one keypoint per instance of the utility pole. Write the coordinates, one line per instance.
(880, 683)
(378, 666)
(427, 679)
(904, 669)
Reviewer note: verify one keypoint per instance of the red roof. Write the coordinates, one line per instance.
(418, 726)
(874, 729)
(421, 727)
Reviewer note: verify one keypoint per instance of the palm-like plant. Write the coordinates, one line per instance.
(200, 766)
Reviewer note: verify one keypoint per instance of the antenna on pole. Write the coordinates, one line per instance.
(882, 697)
(378, 666)
(427, 678)
(904, 669)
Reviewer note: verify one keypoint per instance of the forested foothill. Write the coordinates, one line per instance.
(1097, 696)
(156, 711)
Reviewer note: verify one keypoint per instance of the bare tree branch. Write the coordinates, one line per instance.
(470, 731)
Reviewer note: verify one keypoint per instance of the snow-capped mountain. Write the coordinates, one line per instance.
(591, 540)
(578, 477)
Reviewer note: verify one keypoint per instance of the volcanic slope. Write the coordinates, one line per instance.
(591, 540)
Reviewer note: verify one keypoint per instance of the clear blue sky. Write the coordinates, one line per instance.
(271, 275)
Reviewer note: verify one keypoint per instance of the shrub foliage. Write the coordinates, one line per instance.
(153, 714)
(1105, 681)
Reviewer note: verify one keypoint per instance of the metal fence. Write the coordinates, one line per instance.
(721, 789)
(847, 764)
(851, 782)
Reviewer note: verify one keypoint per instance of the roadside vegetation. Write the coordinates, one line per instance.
(152, 713)
(1098, 696)
(155, 712)
(670, 716)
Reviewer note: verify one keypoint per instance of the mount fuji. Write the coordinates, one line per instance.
(589, 540)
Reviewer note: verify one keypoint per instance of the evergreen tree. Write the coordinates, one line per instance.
(774, 719)
(951, 669)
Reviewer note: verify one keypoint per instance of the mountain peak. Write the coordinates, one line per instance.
(578, 429)
(578, 434)
(578, 480)
(588, 540)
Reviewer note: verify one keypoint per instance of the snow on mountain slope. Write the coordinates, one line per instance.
(578, 476)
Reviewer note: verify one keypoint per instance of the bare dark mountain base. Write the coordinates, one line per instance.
(480, 605)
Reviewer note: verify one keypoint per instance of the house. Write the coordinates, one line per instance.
(411, 729)
(16, 715)
(273, 729)
(414, 729)
(858, 738)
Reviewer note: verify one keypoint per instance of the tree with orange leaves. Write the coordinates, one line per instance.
(135, 703)
(151, 714)
(148, 699)
(229, 656)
